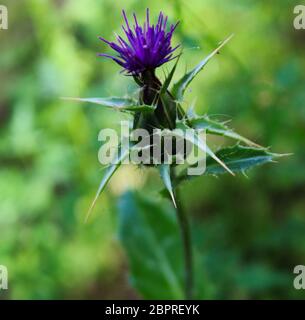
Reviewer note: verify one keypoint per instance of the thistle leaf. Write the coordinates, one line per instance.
(110, 170)
(217, 128)
(198, 142)
(121, 104)
(238, 158)
(166, 177)
(149, 233)
(169, 77)
(180, 86)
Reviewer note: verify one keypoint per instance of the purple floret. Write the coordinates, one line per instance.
(146, 48)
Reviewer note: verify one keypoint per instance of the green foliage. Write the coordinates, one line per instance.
(249, 232)
(237, 158)
(169, 77)
(166, 177)
(217, 128)
(121, 104)
(196, 141)
(150, 235)
(181, 85)
(122, 154)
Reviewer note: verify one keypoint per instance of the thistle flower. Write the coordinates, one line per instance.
(146, 48)
(159, 106)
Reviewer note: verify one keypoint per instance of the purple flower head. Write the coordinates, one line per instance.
(146, 48)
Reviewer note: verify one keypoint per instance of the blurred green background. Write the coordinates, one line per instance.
(249, 232)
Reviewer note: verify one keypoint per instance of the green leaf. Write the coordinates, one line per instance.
(180, 87)
(166, 177)
(169, 77)
(121, 104)
(217, 128)
(109, 171)
(196, 141)
(150, 235)
(238, 158)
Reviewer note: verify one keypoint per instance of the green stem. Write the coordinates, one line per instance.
(187, 242)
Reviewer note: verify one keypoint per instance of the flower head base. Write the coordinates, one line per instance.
(147, 48)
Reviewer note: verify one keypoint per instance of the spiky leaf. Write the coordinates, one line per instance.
(217, 128)
(180, 87)
(195, 139)
(169, 78)
(238, 158)
(166, 177)
(121, 104)
(109, 171)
